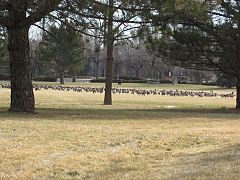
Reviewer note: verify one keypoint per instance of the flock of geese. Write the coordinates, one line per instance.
(142, 92)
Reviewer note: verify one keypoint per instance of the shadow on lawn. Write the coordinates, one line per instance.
(217, 164)
(211, 88)
(123, 114)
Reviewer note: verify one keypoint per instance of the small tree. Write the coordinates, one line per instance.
(62, 51)
(136, 60)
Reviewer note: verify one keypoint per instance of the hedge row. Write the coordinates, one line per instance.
(133, 81)
(162, 81)
(116, 81)
(210, 84)
(45, 78)
(130, 78)
(6, 77)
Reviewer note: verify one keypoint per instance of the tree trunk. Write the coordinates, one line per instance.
(97, 70)
(152, 73)
(116, 71)
(109, 61)
(74, 78)
(238, 94)
(174, 76)
(22, 96)
(61, 78)
(152, 67)
(138, 70)
(162, 74)
(137, 73)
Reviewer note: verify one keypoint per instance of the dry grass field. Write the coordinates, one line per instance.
(73, 136)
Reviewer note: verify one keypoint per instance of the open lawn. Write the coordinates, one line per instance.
(73, 136)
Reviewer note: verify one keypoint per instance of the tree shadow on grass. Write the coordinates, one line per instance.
(212, 89)
(217, 164)
(123, 114)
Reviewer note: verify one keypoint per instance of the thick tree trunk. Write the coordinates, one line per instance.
(108, 82)
(22, 97)
(238, 94)
(109, 61)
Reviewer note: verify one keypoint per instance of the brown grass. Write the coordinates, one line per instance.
(73, 136)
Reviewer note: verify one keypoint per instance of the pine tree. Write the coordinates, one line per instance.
(62, 50)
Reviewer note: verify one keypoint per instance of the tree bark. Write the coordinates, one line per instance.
(238, 94)
(109, 60)
(22, 96)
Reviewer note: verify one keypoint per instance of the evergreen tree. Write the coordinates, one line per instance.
(18, 16)
(62, 50)
(205, 35)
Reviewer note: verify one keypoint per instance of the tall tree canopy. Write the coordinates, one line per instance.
(205, 35)
(215, 37)
(114, 20)
(114, 16)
